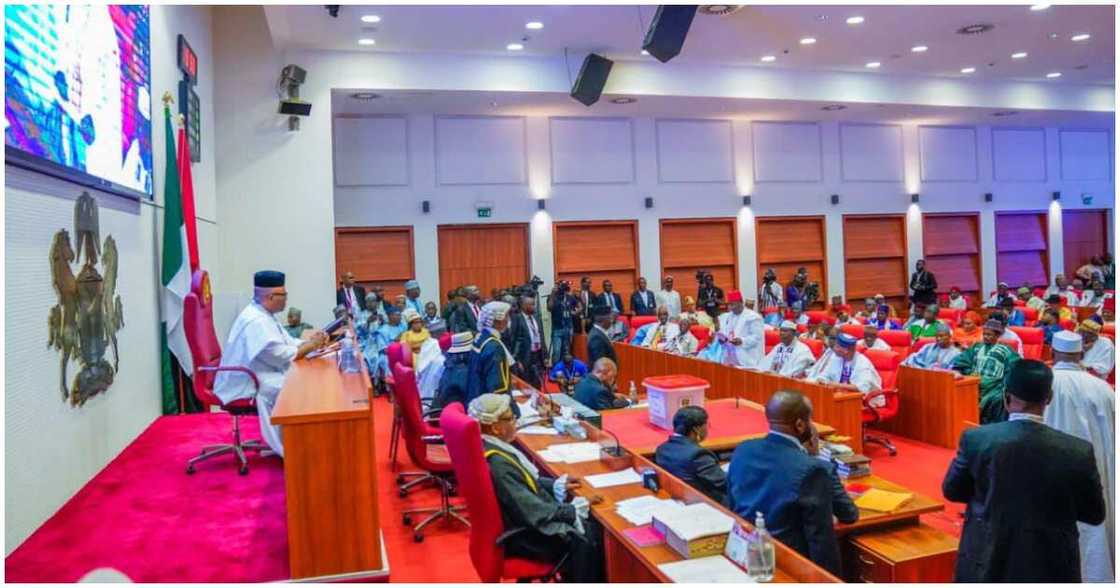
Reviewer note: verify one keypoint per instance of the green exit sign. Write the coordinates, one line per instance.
(484, 212)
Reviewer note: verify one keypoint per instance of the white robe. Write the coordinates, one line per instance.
(429, 368)
(1084, 406)
(1101, 357)
(795, 360)
(669, 332)
(863, 376)
(958, 303)
(671, 300)
(878, 345)
(748, 327)
(257, 341)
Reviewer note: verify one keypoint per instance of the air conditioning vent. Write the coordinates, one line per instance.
(719, 9)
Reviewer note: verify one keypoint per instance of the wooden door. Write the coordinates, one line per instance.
(1084, 236)
(377, 255)
(486, 255)
(951, 248)
(688, 245)
(786, 243)
(875, 259)
(1022, 248)
(599, 249)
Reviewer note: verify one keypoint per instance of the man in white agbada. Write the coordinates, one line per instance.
(1100, 354)
(741, 332)
(259, 342)
(1084, 406)
(938, 355)
(662, 333)
(427, 357)
(845, 365)
(790, 357)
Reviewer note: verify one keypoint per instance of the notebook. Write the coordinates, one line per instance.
(882, 500)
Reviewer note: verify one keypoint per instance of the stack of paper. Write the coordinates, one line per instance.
(882, 500)
(619, 478)
(640, 510)
(704, 570)
(697, 530)
(537, 430)
(570, 452)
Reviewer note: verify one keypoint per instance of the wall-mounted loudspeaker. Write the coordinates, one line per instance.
(649, 202)
(425, 207)
(591, 79)
(835, 199)
(988, 197)
(666, 34)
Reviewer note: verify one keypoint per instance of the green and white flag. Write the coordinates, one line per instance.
(175, 270)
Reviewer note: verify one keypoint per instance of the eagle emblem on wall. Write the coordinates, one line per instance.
(83, 325)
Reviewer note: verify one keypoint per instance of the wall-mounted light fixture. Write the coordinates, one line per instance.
(913, 198)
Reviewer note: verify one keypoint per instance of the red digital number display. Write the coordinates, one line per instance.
(188, 61)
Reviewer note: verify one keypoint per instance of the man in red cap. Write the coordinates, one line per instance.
(740, 330)
(956, 301)
(1108, 310)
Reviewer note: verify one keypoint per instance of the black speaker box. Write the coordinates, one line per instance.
(667, 31)
(591, 79)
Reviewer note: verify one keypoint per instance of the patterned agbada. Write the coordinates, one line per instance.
(991, 363)
(933, 357)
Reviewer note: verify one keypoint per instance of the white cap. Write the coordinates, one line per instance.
(1066, 342)
(788, 325)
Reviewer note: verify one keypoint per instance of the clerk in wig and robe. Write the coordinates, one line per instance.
(427, 357)
(259, 342)
(741, 333)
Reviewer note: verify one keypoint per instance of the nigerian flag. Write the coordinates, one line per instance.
(175, 273)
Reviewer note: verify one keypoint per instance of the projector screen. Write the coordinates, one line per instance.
(78, 99)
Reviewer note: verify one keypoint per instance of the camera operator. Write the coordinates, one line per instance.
(709, 297)
(770, 298)
(563, 308)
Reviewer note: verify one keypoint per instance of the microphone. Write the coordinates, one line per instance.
(615, 451)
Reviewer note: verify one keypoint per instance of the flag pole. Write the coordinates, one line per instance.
(168, 100)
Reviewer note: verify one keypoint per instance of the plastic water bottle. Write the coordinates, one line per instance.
(760, 552)
(347, 363)
(633, 393)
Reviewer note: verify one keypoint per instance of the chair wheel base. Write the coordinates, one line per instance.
(243, 470)
(402, 492)
(406, 520)
(418, 537)
(190, 470)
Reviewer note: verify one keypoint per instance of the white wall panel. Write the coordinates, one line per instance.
(371, 151)
(591, 150)
(786, 152)
(948, 154)
(871, 153)
(694, 151)
(1018, 155)
(480, 150)
(1085, 154)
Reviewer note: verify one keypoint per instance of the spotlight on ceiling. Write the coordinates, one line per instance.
(534, 25)
(371, 18)
(968, 70)
(807, 41)
(1081, 37)
(1054, 74)
(872, 65)
(1019, 55)
(768, 58)
(919, 49)
(854, 20)
(1038, 7)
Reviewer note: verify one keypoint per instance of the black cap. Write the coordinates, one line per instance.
(601, 311)
(1030, 380)
(268, 279)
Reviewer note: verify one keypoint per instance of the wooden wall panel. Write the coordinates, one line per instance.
(875, 258)
(688, 245)
(1084, 235)
(377, 255)
(486, 255)
(600, 249)
(952, 251)
(1022, 248)
(788, 242)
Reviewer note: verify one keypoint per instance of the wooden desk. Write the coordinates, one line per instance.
(330, 473)
(909, 512)
(729, 424)
(934, 406)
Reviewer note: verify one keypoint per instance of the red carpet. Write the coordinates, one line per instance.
(143, 516)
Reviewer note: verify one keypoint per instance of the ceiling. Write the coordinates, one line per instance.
(743, 37)
(558, 104)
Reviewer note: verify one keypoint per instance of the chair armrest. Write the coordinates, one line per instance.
(432, 439)
(233, 368)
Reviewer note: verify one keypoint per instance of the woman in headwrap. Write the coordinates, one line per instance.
(688, 311)
(540, 524)
(490, 359)
(427, 358)
(969, 331)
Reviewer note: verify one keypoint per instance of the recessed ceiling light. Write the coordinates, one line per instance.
(1019, 55)
(534, 25)
(768, 58)
(872, 64)
(366, 42)
(1054, 74)
(967, 70)
(1052, 36)
(1080, 37)
(919, 49)
(833, 107)
(365, 96)
(854, 20)
(1037, 7)
(808, 41)
(371, 18)
(644, 52)
(515, 47)
(623, 100)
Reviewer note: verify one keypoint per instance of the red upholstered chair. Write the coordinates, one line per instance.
(424, 444)
(1109, 330)
(921, 342)
(899, 340)
(853, 330)
(445, 341)
(953, 314)
(816, 346)
(802, 328)
(819, 316)
(464, 445)
(1068, 324)
(1030, 314)
(206, 354)
(702, 334)
(1039, 292)
(1032, 341)
(638, 321)
(886, 363)
(772, 338)
(394, 352)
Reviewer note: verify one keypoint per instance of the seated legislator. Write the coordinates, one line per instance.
(790, 357)
(296, 326)
(596, 391)
(938, 355)
(868, 311)
(1050, 322)
(991, 360)
(871, 340)
(926, 326)
(598, 340)
(683, 456)
(685, 343)
(882, 319)
(456, 364)
(258, 342)
(781, 477)
(688, 311)
(427, 357)
(1100, 354)
(956, 301)
(1026, 485)
(1002, 291)
(1015, 317)
(969, 331)
(488, 372)
(662, 331)
(1009, 338)
(540, 522)
(845, 365)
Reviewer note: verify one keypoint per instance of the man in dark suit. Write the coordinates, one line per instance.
(609, 298)
(683, 456)
(530, 353)
(1026, 485)
(642, 301)
(598, 341)
(465, 316)
(350, 295)
(587, 300)
(596, 391)
(780, 476)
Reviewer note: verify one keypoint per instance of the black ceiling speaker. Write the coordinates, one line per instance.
(591, 79)
(667, 31)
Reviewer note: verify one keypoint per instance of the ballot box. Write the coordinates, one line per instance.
(667, 394)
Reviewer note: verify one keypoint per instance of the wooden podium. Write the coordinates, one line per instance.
(330, 473)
